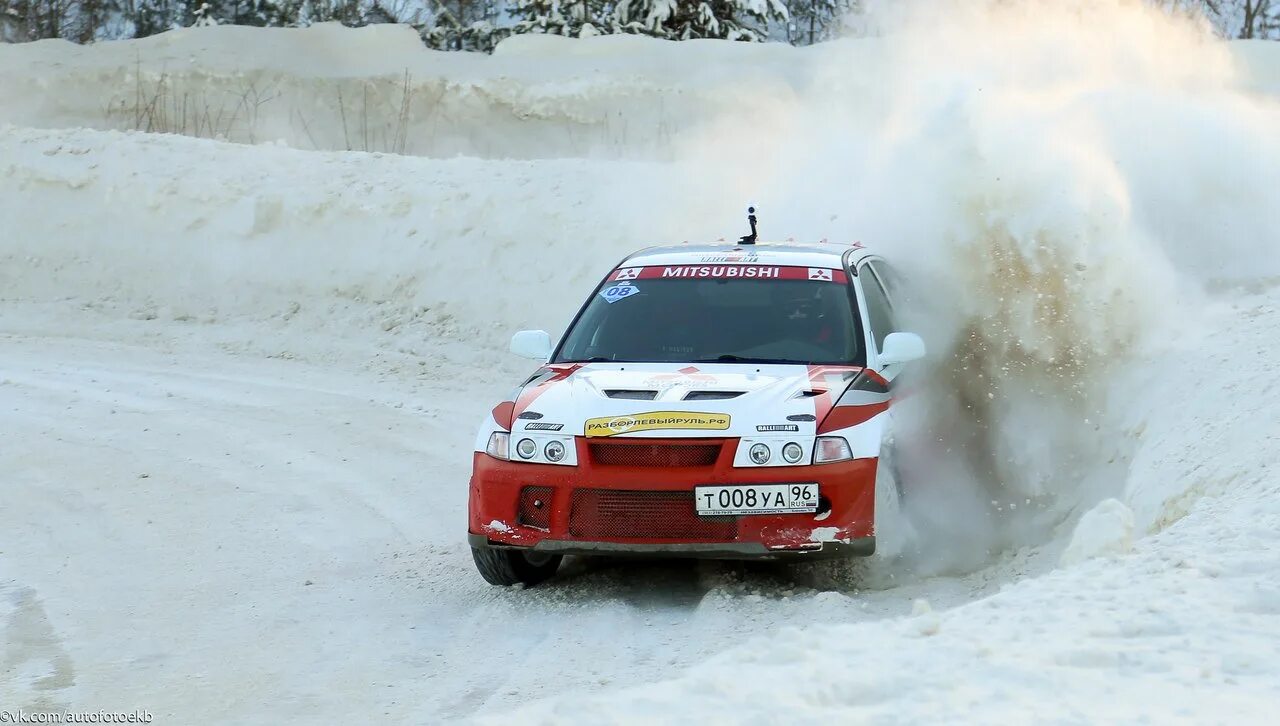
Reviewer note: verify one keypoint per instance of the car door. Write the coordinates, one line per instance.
(878, 316)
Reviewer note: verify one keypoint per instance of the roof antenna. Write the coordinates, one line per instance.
(751, 218)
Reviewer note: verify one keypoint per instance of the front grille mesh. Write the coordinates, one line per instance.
(664, 455)
(534, 509)
(609, 514)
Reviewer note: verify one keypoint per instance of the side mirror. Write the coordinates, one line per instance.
(901, 348)
(535, 344)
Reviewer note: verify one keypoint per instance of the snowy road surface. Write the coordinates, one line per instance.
(250, 539)
(221, 536)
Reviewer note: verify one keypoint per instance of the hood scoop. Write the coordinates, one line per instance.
(809, 394)
(631, 395)
(711, 395)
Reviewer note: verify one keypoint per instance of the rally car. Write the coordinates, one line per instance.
(718, 401)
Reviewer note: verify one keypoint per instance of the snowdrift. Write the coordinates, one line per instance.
(378, 89)
(199, 231)
(1083, 206)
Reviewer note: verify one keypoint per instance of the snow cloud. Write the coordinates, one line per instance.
(1061, 182)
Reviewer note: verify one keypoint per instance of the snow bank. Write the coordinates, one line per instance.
(1107, 529)
(354, 244)
(379, 89)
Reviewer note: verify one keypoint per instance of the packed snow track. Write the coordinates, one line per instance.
(242, 538)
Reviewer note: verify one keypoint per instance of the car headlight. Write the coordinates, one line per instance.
(499, 441)
(526, 448)
(792, 452)
(831, 448)
(760, 453)
(554, 451)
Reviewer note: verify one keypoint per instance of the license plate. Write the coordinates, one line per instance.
(713, 501)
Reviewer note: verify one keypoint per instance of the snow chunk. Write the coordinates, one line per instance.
(498, 526)
(1107, 529)
(927, 622)
(824, 534)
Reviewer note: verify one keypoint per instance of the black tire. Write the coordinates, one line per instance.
(511, 567)
(889, 458)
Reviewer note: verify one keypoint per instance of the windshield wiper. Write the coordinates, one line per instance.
(730, 358)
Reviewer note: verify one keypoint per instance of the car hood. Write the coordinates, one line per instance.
(664, 400)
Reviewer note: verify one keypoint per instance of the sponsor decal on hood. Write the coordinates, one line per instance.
(655, 421)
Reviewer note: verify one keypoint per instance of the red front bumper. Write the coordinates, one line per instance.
(647, 508)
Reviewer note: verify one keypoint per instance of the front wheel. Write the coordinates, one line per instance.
(893, 527)
(510, 567)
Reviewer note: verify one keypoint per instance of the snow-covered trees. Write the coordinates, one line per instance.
(89, 20)
(669, 19)
(685, 19)
(278, 13)
(478, 25)
(463, 25)
(78, 20)
(573, 18)
(259, 13)
(813, 21)
(462, 28)
(1246, 19)
(149, 17)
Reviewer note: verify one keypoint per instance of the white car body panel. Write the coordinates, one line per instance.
(770, 396)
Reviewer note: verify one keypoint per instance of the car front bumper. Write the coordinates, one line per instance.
(649, 511)
(861, 547)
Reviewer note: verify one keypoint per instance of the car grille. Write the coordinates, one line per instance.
(610, 514)
(534, 508)
(663, 455)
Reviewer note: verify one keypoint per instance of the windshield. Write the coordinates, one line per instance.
(761, 319)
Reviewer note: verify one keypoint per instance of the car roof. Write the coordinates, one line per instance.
(799, 254)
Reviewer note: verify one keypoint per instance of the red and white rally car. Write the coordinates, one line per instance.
(707, 401)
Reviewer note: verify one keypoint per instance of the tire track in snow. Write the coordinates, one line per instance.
(33, 660)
